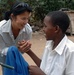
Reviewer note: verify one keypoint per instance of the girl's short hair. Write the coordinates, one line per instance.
(17, 9)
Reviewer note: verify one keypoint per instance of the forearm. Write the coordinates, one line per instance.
(34, 57)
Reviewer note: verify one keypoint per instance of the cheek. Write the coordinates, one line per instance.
(18, 20)
(50, 32)
(47, 31)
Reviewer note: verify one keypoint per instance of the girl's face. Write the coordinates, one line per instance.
(49, 29)
(21, 20)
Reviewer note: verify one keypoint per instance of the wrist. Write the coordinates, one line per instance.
(43, 73)
(29, 51)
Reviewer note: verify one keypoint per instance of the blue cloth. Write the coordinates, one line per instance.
(14, 58)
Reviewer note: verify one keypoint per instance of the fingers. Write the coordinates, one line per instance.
(35, 70)
(21, 42)
(32, 67)
(24, 45)
(32, 70)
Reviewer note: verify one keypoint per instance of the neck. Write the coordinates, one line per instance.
(15, 31)
(14, 28)
(57, 40)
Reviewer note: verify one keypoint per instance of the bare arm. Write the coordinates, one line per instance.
(24, 46)
(34, 57)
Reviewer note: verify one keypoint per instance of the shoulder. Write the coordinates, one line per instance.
(5, 25)
(28, 28)
(70, 45)
(2, 22)
(69, 52)
(2, 25)
(69, 49)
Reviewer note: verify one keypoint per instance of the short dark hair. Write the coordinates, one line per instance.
(17, 9)
(60, 18)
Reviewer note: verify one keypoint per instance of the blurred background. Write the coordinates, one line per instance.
(40, 9)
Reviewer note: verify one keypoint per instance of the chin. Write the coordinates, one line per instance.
(46, 38)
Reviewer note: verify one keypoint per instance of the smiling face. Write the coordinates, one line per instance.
(49, 29)
(19, 21)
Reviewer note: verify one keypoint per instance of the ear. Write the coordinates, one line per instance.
(57, 29)
(12, 16)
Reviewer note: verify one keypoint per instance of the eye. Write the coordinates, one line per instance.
(23, 18)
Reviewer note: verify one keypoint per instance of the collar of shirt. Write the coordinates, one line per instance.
(59, 49)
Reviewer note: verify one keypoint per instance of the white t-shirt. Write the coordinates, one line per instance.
(59, 61)
(7, 38)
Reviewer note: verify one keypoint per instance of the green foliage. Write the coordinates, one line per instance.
(5, 6)
(40, 7)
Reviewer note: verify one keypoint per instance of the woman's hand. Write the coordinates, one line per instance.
(34, 70)
(24, 46)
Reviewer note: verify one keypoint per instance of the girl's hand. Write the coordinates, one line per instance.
(24, 46)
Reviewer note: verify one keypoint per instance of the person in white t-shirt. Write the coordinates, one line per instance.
(15, 30)
(58, 56)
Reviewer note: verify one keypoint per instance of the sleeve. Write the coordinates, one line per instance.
(3, 48)
(70, 64)
(28, 31)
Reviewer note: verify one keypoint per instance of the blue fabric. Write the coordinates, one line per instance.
(14, 58)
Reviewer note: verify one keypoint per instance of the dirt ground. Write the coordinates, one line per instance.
(38, 43)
